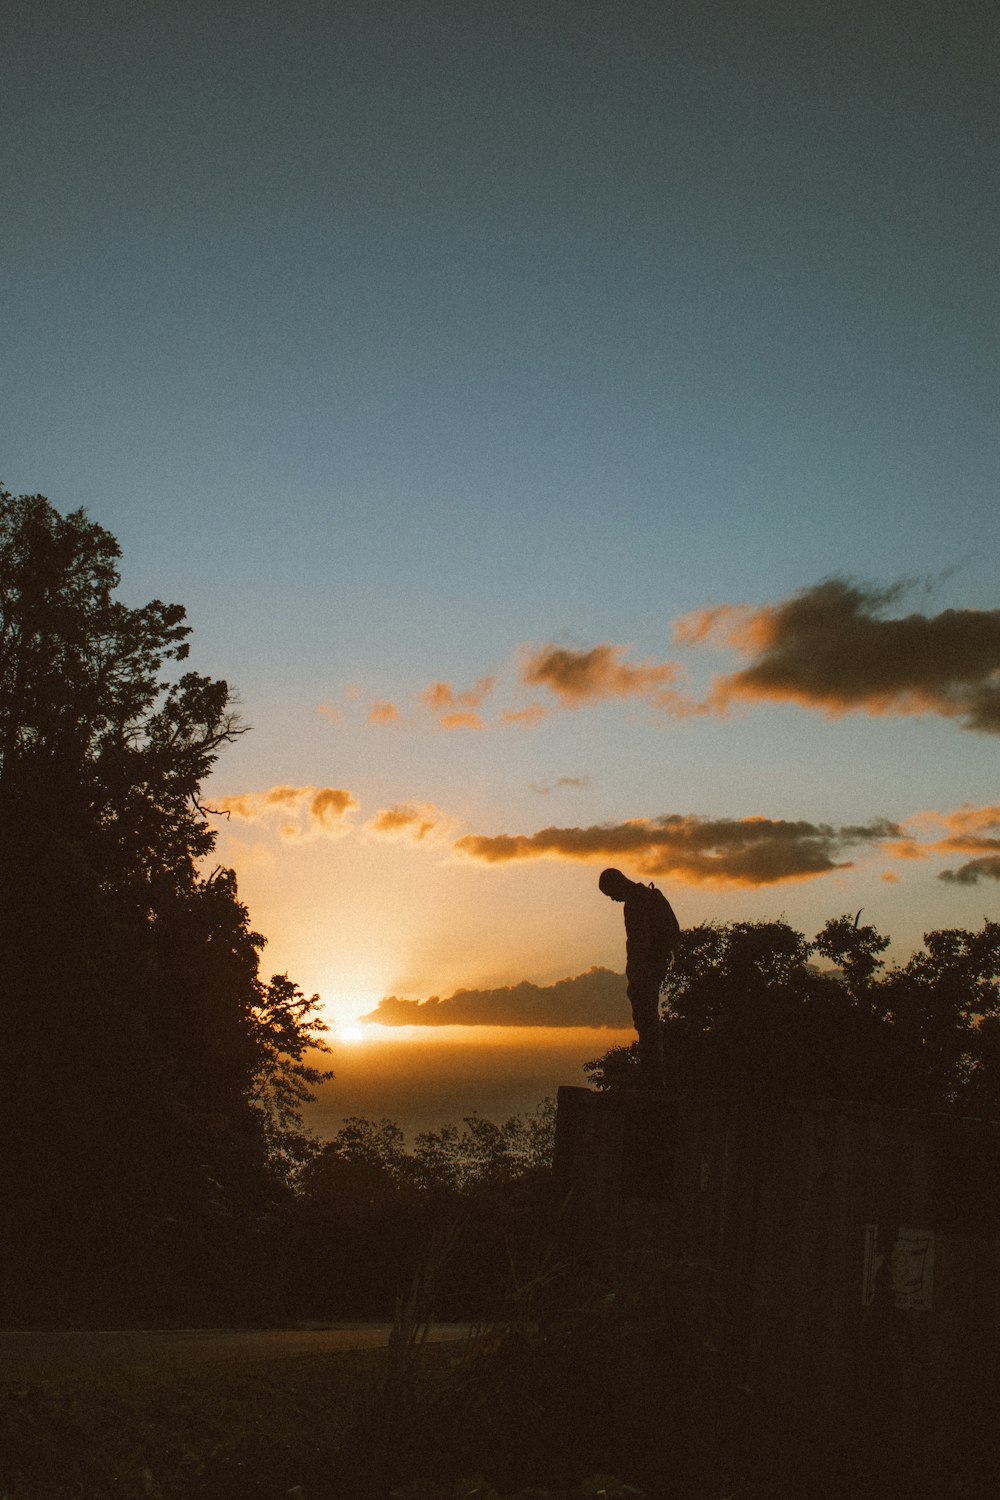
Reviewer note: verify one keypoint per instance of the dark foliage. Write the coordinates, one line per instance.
(462, 1210)
(746, 1008)
(148, 1078)
(604, 1386)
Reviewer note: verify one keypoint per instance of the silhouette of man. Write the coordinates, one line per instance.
(651, 933)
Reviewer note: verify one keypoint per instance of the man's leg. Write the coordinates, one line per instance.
(644, 995)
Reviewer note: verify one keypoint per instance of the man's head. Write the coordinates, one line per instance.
(614, 884)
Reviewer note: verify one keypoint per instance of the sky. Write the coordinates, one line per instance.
(572, 431)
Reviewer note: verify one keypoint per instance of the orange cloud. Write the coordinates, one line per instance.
(965, 821)
(831, 647)
(691, 849)
(383, 712)
(412, 823)
(526, 718)
(317, 809)
(463, 720)
(728, 625)
(437, 697)
(578, 677)
(967, 830)
(251, 806)
(329, 805)
(457, 710)
(905, 849)
(970, 830)
(596, 998)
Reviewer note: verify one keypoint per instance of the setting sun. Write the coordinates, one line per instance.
(345, 1003)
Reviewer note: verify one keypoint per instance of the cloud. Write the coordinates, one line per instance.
(457, 710)
(329, 804)
(462, 720)
(596, 998)
(692, 849)
(974, 871)
(525, 718)
(316, 809)
(831, 647)
(968, 830)
(409, 822)
(441, 697)
(965, 822)
(543, 788)
(251, 806)
(383, 712)
(906, 848)
(578, 677)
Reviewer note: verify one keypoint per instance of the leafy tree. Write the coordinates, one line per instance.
(149, 1080)
(285, 1029)
(855, 950)
(481, 1154)
(372, 1212)
(92, 736)
(745, 1008)
(944, 1010)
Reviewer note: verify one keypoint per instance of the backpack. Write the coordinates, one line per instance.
(664, 928)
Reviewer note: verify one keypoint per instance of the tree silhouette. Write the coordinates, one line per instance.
(150, 1080)
(473, 1199)
(745, 1008)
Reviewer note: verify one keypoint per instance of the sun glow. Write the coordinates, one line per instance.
(343, 1004)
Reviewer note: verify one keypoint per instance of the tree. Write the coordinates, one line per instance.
(149, 1080)
(484, 1155)
(90, 732)
(466, 1200)
(285, 1029)
(746, 1009)
(943, 1006)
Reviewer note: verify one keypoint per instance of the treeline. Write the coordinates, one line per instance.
(462, 1219)
(150, 1077)
(154, 1166)
(757, 1008)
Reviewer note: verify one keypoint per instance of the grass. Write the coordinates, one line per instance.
(220, 1431)
(304, 1428)
(596, 1396)
(611, 1401)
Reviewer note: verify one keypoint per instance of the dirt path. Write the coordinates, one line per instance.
(52, 1353)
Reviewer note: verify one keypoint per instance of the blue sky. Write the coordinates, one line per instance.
(396, 340)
